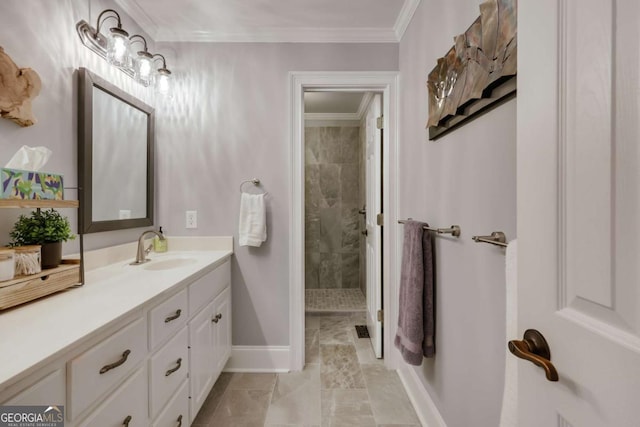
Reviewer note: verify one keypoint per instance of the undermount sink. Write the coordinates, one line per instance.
(168, 264)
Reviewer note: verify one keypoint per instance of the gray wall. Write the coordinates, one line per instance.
(229, 122)
(466, 178)
(41, 34)
(332, 195)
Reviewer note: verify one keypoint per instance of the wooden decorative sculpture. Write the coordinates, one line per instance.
(18, 86)
(478, 70)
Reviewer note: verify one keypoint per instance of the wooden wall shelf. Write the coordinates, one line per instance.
(34, 204)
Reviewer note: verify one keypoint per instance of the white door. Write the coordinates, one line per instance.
(374, 232)
(579, 210)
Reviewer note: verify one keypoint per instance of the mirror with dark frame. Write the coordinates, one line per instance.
(115, 157)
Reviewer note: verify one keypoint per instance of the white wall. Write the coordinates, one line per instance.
(468, 178)
(41, 34)
(230, 122)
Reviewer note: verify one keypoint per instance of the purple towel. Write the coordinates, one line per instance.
(415, 335)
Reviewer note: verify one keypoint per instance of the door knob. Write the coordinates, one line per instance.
(535, 349)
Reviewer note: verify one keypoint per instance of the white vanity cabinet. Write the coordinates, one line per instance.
(153, 366)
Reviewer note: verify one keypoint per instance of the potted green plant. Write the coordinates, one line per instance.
(46, 228)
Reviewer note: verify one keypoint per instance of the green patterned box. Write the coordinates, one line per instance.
(21, 184)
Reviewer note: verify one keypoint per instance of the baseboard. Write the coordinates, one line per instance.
(422, 403)
(246, 358)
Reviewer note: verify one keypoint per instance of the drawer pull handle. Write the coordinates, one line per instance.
(107, 368)
(217, 318)
(126, 421)
(174, 317)
(171, 371)
(179, 420)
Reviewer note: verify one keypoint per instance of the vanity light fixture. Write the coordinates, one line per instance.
(116, 49)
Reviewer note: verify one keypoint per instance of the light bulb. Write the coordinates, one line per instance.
(163, 80)
(144, 69)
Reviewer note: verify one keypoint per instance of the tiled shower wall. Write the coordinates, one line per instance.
(332, 198)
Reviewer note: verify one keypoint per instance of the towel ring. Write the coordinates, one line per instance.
(254, 181)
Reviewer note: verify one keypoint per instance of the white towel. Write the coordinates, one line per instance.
(509, 413)
(253, 224)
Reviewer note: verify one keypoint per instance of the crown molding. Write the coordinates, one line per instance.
(135, 12)
(275, 35)
(404, 17)
(332, 116)
(284, 35)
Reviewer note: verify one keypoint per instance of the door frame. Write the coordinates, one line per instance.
(376, 81)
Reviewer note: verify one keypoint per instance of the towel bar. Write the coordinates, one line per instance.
(496, 238)
(254, 181)
(454, 230)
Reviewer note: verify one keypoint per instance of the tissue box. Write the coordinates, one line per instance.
(21, 184)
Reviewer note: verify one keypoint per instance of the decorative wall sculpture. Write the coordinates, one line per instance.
(18, 86)
(478, 71)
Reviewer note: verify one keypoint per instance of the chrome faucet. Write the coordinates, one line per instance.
(141, 256)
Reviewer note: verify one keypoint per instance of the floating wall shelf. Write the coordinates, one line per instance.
(34, 204)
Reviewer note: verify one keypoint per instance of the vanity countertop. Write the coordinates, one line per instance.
(35, 333)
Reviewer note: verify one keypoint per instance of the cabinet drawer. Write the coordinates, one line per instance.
(49, 390)
(169, 368)
(129, 400)
(176, 413)
(167, 318)
(202, 291)
(98, 369)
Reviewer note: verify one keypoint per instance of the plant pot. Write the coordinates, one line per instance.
(51, 254)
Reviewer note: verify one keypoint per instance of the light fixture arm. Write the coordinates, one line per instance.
(144, 41)
(164, 61)
(117, 16)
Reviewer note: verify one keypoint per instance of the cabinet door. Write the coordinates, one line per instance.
(201, 357)
(222, 330)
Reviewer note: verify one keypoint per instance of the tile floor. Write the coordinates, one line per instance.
(334, 300)
(342, 385)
